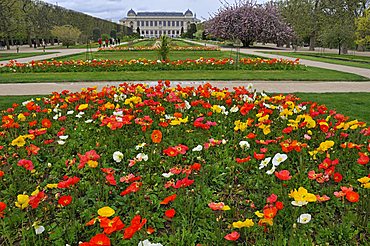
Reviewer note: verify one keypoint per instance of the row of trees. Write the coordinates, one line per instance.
(328, 23)
(33, 20)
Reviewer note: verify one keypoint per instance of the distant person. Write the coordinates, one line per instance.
(118, 41)
(110, 41)
(100, 41)
(106, 42)
(43, 45)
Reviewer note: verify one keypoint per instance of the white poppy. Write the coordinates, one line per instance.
(234, 109)
(63, 137)
(271, 171)
(304, 218)
(167, 175)
(198, 148)
(187, 105)
(70, 112)
(148, 243)
(117, 156)
(88, 121)
(265, 162)
(244, 145)
(139, 146)
(142, 157)
(250, 87)
(39, 229)
(299, 203)
(278, 159)
(61, 142)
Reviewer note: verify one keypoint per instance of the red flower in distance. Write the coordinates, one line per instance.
(170, 213)
(232, 236)
(283, 175)
(168, 199)
(65, 200)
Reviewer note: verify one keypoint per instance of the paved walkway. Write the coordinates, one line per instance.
(268, 86)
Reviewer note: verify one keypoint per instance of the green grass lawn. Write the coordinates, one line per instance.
(12, 56)
(310, 74)
(348, 60)
(354, 105)
(153, 55)
(77, 46)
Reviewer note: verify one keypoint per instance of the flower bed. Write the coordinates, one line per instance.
(146, 65)
(153, 48)
(181, 166)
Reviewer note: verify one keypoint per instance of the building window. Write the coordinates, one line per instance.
(151, 32)
(173, 23)
(155, 23)
(160, 32)
(177, 23)
(155, 32)
(151, 23)
(182, 23)
(142, 23)
(177, 32)
(169, 23)
(147, 23)
(160, 23)
(138, 23)
(164, 23)
(147, 32)
(173, 31)
(142, 32)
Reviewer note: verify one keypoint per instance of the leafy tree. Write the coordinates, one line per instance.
(363, 29)
(96, 34)
(249, 22)
(191, 31)
(113, 33)
(138, 31)
(164, 47)
(67, 34)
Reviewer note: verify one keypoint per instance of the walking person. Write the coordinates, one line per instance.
(100, 41)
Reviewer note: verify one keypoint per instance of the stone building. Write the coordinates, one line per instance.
(155, 24)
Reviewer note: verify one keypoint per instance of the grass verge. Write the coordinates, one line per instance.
(12, 56)
(347, 60)
(310, 74)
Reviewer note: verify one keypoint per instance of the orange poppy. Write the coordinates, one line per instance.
(157, 136)
(352, 196)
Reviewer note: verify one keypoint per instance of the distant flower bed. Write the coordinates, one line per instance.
(151, 48)
(146, 65)
(159, 165)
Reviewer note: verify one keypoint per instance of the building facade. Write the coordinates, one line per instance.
(156, 24)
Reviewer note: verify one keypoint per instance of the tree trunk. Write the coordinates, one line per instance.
(52, 41)
(37, 42)
(339, 48)
(246, 43)
(7, 43)
(29, 40)
(312, 42)
(11, 42)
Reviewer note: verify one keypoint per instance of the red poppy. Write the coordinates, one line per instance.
(242, 160)
(171, 151)
(65, 200)
(170, 213)
(258, 156)
(279, 205)
(183, 183)
(1, 173)
(46, 123)
(283, 175)
(27, 164)
(337, 177)
(2, 208)
(112, 225)
(133, 187)
(35, 200)
(232, 236)
(352, 196)
(270, 212)
(196, 166)
(157, 136)
(100, 240)
(110, 179)
(136, 224)
(168, 199)
(363, 160)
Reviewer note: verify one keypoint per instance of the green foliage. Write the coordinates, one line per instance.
(105, 36)
(363, 29)
(164, 47)
(113, 34)
(67, 34)
(192, 29)
(96, 34)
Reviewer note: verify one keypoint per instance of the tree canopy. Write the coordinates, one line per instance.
(248, 21)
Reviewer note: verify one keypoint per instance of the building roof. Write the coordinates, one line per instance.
(160, 14)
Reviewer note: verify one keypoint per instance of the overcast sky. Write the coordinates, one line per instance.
(117, 9)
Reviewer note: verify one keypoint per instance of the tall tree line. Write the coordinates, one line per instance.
(328, 23)
(32, 20)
